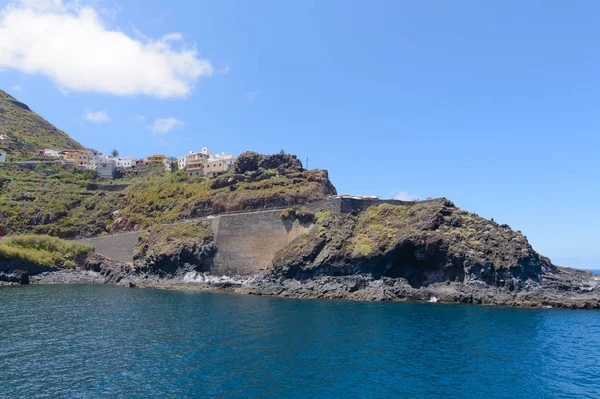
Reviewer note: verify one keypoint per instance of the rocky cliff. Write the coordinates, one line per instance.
(425, 243)
(427, 251)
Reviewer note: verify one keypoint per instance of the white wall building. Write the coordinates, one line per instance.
(2, 156)
(182, 162)
(224, 157)
(206, 156)
(105, 169)
(49, 152)
(125, 163)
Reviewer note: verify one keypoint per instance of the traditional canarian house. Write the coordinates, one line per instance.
(214, 166)
(195, 166)
(125, 163)
(182, 162)
(105, 169)
(204, 163)
(49, 152)
(156, 159)
(84, 159)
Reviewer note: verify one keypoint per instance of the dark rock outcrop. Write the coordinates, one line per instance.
(174, 250)
(417, 252)
(425, 243)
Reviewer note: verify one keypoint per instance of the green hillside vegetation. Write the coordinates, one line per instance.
(58, 203)
(43, 250)
(28, 130)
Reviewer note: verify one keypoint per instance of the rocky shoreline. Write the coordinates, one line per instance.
(428, 251)
(562, 288)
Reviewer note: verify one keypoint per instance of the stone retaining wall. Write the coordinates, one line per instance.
(247, 242)
(117, 247)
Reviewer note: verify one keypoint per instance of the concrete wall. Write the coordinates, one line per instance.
(247, 242)
(117, 247)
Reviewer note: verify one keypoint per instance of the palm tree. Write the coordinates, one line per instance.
(114, 153)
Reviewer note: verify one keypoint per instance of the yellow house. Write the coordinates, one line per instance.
(82, 158)
(155, 159)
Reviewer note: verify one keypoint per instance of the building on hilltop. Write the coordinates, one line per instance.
(225, 157)
(49, 152)
(125, 163)
(155, 159)
(196, 161)
(182, 162)
(204, 163)
(214, 166)
(106, 169)
(84, 159)
(170, 164)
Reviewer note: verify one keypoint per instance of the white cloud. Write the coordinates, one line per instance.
(72, 45)
(96, 117)
(138, 118)
(251, 96)
(16, 88)
(405, 196)
(164, 125)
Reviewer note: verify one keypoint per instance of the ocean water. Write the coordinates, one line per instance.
(108, 342)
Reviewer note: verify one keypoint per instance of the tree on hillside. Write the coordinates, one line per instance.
(114, 153)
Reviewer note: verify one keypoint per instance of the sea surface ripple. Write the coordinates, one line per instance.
(61, 341)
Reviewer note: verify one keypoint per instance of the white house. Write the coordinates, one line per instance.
(2, 156)
(105, 169)
(182, 162)
(125, 163)
(169, 165)
(49, 152)
(193, 156)
(224, 157)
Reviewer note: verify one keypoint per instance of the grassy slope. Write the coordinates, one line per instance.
(171, 238)
(60, 205)
(43, 250)
(27, 127)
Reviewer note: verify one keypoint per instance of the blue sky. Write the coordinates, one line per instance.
(492, 104)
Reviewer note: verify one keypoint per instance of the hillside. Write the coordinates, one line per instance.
(29, 130)
(59, 203)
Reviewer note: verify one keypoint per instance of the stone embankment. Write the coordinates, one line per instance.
(247, 241)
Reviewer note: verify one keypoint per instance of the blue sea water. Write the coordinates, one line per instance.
(107, 342)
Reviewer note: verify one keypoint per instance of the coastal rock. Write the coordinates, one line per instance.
(425, 243)
(168, 250)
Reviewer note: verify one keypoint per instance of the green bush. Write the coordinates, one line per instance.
(43, 250)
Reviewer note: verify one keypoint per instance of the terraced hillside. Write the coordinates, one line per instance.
(59, 203)
(27, 129)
